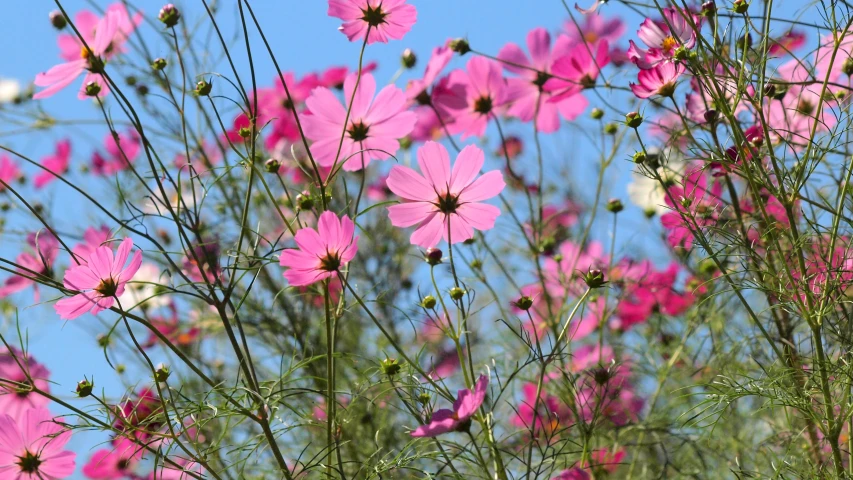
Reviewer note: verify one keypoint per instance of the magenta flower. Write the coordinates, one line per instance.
(444, 203)
(91, 60)
(9, 171)
(31, 447)
(658, 80)
(576, 71)
(694, 205)
(373, 128)
(114, 463)
(576, 473)
(788, 42)
(664, 37)
(379, 20)
(473, 96)
(121, 151)
(56, 163)
(527, 92)
(417, 90)
(44, 247)
(99, 280)
(276, 107)
(15, 401)
(322, 253)
(458, 419)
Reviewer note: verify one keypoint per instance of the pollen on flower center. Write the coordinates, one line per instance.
(483, 105)
(331, 262)
(29, 462)
(668, 44)
(374, 16)
(358, 131)
(107, 287)
(448, 203)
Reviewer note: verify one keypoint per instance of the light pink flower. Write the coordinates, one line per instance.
(576, 71)
(444, 203)
(276, 107)
(92, 61)
(473, 96)
(466, 405)
(15, 401)
(664, 37)
(121, 151)
(100, 280)
(44, 247)
(694, 205)
(333, 77)
(114, 463)
(322, 253)
(594, 29)
(87, 23)
(373, 128)
(9, 171)
(92, 239)
(416, 89)
(528, 93)
(657, 80)
(787, 43)
(383, 19)
(56, 163)
(167, 471)
(31, 447)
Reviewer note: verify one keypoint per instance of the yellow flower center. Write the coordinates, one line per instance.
(668, 44)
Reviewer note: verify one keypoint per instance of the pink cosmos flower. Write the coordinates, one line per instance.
(576, 473)
(416, 89)
(607, 461)
(577, 70)
(333, 77)
(121, 151)
(92, 239)
(787, 43)
(44, 247)
(795, 116)
(696, 202)
(9, 171)
(322, 253)
(527, 92)
(378, 20)
(114, 463)
(444, 203)
(31, 447)
(100, 280)
(657, 80)
(664, 37)
(137, 415)
(103, 46)
(15, 401)
(167, 471)
(56, 163)
(653, 292)
(473, 96)
(373, 128)
(552, 413)
(87, 23)
(276, 107)
(458, 419)
(594, 29)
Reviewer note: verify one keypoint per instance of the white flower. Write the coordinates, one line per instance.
(142, 290)
(10, 90)
(647, 193)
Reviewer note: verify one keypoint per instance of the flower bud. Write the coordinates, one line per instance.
(686, 202)
(744, 42)
(709, 9)
(244, 132)
(142, 90)
(93, 89)
(169, 15)
(158, 64)
(639, 158)
(432, 256)
(547, 245)
(469, 241)
(202, 88)
(457, 293)
(740, 6)
(614, 205)
(103, 340)
(84, 388)
(161, 373)
(776, 91)
(304, 200)
(406, 143)
(390, 366)
(594, 278)
(272, 165)
(408, 59)
(424, 398)
(428, 302)
(847, 68)
(633, 119)
(611, 129)
(58, 20)
(711, 116)
(596, 114)
(681, 53)
(523, 303)
(460, 46)
(476, 264)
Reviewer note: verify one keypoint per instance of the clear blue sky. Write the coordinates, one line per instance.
(304, 40)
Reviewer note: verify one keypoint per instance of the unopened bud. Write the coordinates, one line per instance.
(594, 278)
(84, 388)
(158, 64)
(711, 116)
(390, 366)
(523, 303)
(614, 205)
(169, 15)
(93, 89)
(681, 53)
(596, 114)
(611, 129)
(272, 165)
(457, 293)
(433, 256)
(304, 200)
(58, 20)
(428, 302)
(460, 46)
(740, 6)
(709, 9)
(202, 88)
(244, 132)
(633, 119)
(408, 59)
(639, 158)
(161, 374)
(424, 398)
